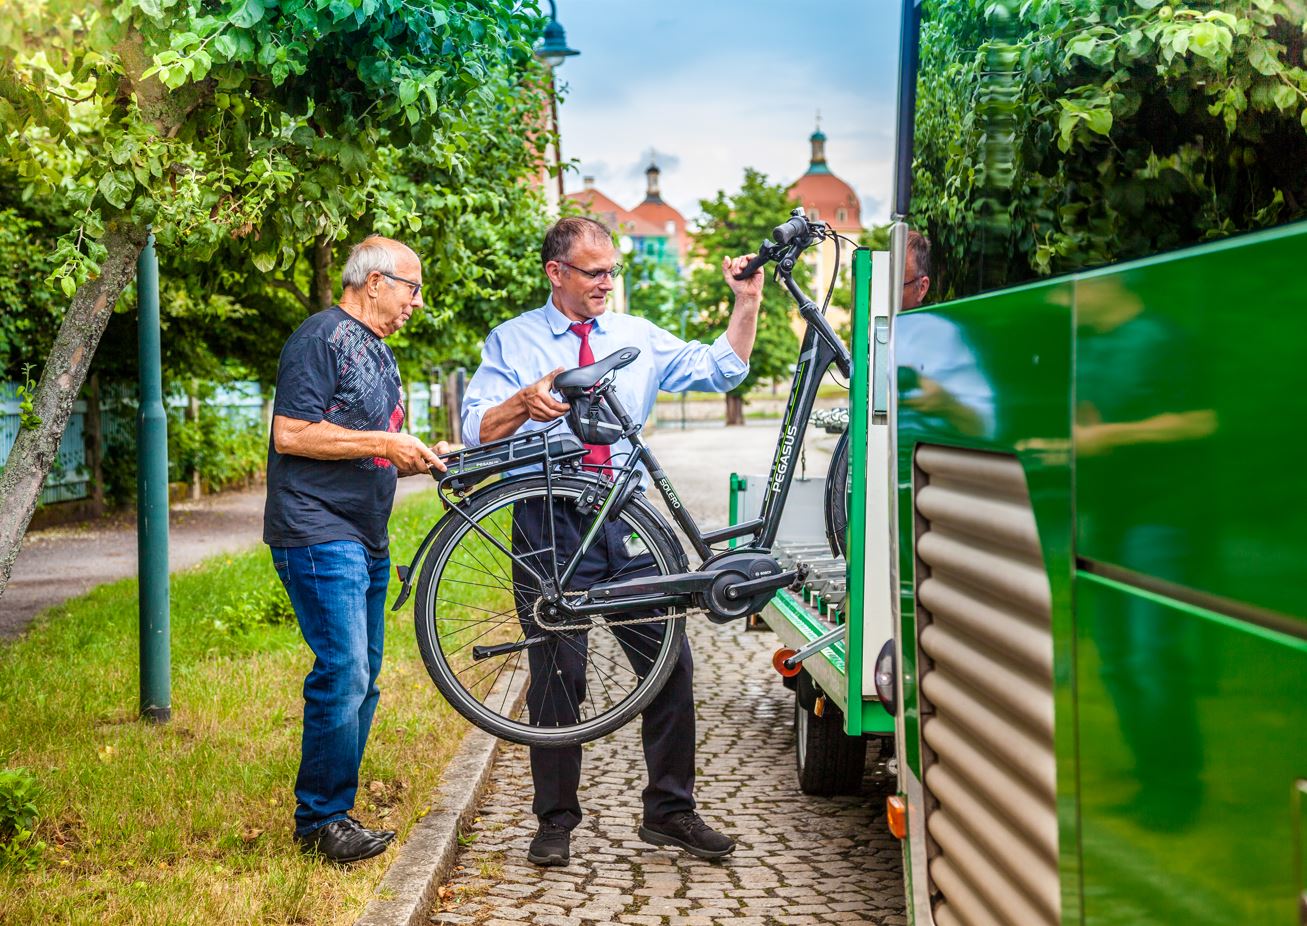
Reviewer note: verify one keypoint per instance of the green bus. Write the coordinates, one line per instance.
(1097, 587)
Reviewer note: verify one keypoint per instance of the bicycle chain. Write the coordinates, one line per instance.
(690, 612)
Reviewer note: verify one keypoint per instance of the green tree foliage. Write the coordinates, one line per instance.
(29, 311)
(730, 226)
(655, 292)
(1064, 134)
(243, 132)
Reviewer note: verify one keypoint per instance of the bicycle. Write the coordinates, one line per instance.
(487, 594)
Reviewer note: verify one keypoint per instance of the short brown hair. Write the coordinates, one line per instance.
(564, 233)
(919, 248)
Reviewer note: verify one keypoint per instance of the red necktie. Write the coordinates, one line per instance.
(599, 456)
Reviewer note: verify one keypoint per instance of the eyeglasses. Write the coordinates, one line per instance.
(417, 287)
(915, 279)
(612, 274)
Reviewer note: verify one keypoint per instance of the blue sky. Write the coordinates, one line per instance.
(715, 86)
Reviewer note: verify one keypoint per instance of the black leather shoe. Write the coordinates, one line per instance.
(341, 841)
(551, 845)
(386, 836)
(686, 830)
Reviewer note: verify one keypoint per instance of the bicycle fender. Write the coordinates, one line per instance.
(406, 573)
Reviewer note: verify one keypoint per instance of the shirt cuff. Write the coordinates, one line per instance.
(727, 360)
(472, 427)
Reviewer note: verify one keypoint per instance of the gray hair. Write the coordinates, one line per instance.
(368, 256)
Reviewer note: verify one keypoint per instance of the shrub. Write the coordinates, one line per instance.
(222, 451)
(259, 607)
(19, 792)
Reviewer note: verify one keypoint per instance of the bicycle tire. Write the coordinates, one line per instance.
(442, 637)
(837, 499)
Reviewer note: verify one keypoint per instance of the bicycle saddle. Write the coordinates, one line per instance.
(581, 379)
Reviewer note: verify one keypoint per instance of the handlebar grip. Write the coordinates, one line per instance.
(754, 265)
(786, 232)
(766, 251)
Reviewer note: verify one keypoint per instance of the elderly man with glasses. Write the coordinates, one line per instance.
(511, 393)
(335, 452)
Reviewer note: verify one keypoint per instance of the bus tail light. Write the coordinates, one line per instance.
(896, 812)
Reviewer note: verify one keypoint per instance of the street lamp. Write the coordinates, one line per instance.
(552, 52)
(553, 49)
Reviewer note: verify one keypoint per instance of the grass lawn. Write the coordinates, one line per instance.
(190, 822)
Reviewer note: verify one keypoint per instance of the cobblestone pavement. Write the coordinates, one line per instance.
(800, 859)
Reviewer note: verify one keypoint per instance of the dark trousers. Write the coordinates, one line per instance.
(558, 677)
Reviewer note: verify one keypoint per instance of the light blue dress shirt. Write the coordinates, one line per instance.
(524, 349)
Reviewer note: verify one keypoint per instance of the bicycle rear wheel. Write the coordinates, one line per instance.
(480, 631)
(837, 498)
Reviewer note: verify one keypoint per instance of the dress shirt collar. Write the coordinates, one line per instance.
(560, 323)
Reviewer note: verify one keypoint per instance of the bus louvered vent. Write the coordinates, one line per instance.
(984, 619)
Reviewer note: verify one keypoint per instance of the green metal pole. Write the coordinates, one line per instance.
(152, 499)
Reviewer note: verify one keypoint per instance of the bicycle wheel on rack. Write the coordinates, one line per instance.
(480, 631)
(837, 498)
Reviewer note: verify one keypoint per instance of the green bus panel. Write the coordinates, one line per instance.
(1191, 388)
(1193, 731)
(1002, 365)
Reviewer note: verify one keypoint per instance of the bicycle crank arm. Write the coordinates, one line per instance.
(678, 585)
(765, 584)
(503, 649)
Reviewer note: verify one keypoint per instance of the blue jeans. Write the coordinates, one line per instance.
(339, 593)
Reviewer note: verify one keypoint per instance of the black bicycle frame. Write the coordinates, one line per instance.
(820, 348)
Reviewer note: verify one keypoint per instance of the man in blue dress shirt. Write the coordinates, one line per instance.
(511, 393)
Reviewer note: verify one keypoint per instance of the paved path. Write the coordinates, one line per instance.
(800, 859)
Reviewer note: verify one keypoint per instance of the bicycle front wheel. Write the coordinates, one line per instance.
(494, 654)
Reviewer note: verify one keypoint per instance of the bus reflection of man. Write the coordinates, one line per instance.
(956, 394)
(1140, 418)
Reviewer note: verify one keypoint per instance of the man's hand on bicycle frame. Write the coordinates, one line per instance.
(534, 402)
(539, 403)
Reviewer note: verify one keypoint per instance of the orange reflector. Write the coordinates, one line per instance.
(896, 812)
(778, 660)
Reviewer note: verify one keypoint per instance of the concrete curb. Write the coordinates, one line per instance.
(425, 859)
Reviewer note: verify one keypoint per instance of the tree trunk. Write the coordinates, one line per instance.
(320, 290)
(734, 409)
(65, 370)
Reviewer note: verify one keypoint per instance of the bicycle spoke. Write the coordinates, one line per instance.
(485, 595)
(589, 653)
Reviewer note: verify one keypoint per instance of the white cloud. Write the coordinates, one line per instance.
(712, 104)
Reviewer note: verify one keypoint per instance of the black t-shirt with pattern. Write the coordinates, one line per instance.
(333, 368)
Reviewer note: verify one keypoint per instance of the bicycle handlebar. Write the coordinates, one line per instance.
(796, 233)
(764, 254)
(786, 232)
